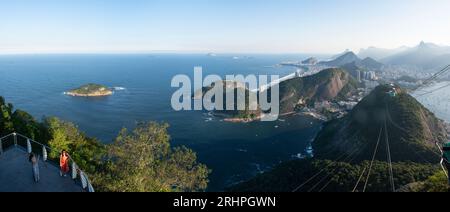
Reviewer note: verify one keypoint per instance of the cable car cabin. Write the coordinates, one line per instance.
(447, 154)
(446, 147)
(392, 93)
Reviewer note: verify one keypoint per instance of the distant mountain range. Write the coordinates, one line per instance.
(351, 62)
(310, 61)
(380, 53)
(370, 64)
(427, 56)
(346, 58)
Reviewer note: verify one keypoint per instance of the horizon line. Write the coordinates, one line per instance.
(163, 52)
(6, 51)
(124, 51)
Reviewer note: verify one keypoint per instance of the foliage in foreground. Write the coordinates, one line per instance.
(142, 160)
(335, 176)
(435, 183)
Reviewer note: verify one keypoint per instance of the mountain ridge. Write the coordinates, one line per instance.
(327, 85)
(344, 148)
(427, 56)
(408, 124)
(346, 58)
(368, 63)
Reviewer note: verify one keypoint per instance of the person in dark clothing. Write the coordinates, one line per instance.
(34, 167)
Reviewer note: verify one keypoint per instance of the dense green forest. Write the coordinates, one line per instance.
(240, 107)
(335, 177)
(138, 160)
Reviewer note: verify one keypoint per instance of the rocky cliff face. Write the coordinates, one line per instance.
(331, 89)
(327, 85)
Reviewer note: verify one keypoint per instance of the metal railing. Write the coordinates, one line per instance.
(77, 173)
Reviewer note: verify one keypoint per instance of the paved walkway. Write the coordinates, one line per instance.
(16, 175)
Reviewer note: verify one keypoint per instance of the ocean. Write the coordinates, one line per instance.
(234, 152)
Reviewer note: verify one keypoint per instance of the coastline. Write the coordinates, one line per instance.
(109, 93)
(314, 115)
(241, 120)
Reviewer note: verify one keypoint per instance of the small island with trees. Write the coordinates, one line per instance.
(90, 90)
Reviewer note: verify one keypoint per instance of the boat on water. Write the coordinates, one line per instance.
(119, 88)
(309, 151)
(299, 156)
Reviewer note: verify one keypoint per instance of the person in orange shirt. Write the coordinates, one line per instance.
(64, 163)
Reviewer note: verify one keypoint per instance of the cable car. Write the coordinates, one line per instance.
(446, 156)
(447, 153)
(392, 93)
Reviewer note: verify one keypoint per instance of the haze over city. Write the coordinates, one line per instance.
(232, 26)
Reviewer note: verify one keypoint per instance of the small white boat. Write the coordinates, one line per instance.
(309, 150)
(299, 156)
(119, 88)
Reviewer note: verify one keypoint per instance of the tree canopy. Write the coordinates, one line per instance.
(6, 124)
(141, 160)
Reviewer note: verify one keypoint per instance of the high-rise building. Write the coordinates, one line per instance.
(358, 75)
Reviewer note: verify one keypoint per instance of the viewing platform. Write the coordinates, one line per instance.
(16, 169)
(16, 175)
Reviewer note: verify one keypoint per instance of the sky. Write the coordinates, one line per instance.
(219, 26)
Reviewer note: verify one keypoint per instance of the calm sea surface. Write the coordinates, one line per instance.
(234, 152)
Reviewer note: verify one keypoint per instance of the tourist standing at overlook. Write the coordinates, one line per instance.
(35, 167)
(64, 163)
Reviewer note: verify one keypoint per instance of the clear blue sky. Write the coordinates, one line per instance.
(234, 26)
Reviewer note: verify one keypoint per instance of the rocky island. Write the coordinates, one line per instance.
(90, 90)
(237, 116)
